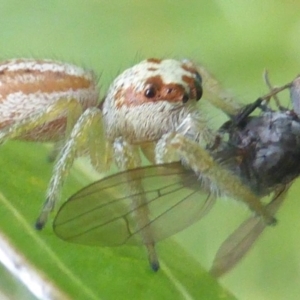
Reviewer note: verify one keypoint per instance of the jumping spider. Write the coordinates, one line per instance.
(152, 109)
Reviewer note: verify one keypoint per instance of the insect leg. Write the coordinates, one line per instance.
(235, 247)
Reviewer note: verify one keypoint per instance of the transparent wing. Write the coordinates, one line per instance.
(234, 248)
(103, 213)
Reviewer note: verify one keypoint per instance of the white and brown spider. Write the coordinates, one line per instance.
(150, 108)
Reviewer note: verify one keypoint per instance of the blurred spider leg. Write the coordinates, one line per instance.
(127, 157)
(220, 179)
(235, 247)
(62, 108)
(86, 137)
(217, 95)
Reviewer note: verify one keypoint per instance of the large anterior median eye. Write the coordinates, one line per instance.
(150, 91)
(198, 77)
(185, 98)
(198, 86)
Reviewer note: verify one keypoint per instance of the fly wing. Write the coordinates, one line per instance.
(103, 214)
(234, 248)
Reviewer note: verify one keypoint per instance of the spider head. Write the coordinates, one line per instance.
(151, 99)
(153, 81)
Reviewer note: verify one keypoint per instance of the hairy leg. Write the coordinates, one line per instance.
(220, 180)
(86, 137)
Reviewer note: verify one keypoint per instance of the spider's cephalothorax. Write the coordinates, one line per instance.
(151, 99)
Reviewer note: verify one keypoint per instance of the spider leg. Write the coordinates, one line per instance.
(217, 95)
(86, 137)
(127, 157)
(220, 180)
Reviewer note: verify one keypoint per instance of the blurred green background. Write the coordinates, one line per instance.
(234, 39)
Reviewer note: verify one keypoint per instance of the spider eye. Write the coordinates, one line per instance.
(198, 77)
(199, 92)
(185, 98)
(150, 92)
(198, 86)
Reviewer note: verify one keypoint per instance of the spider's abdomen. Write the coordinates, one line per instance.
(28, 86)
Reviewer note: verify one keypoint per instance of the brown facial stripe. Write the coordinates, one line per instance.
(154, 60)
(162, 92)
(46, 82)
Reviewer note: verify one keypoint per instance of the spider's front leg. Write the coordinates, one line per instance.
(214, 177)
(215, 94)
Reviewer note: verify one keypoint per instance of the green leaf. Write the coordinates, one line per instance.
(235, 40)
(88, 272)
